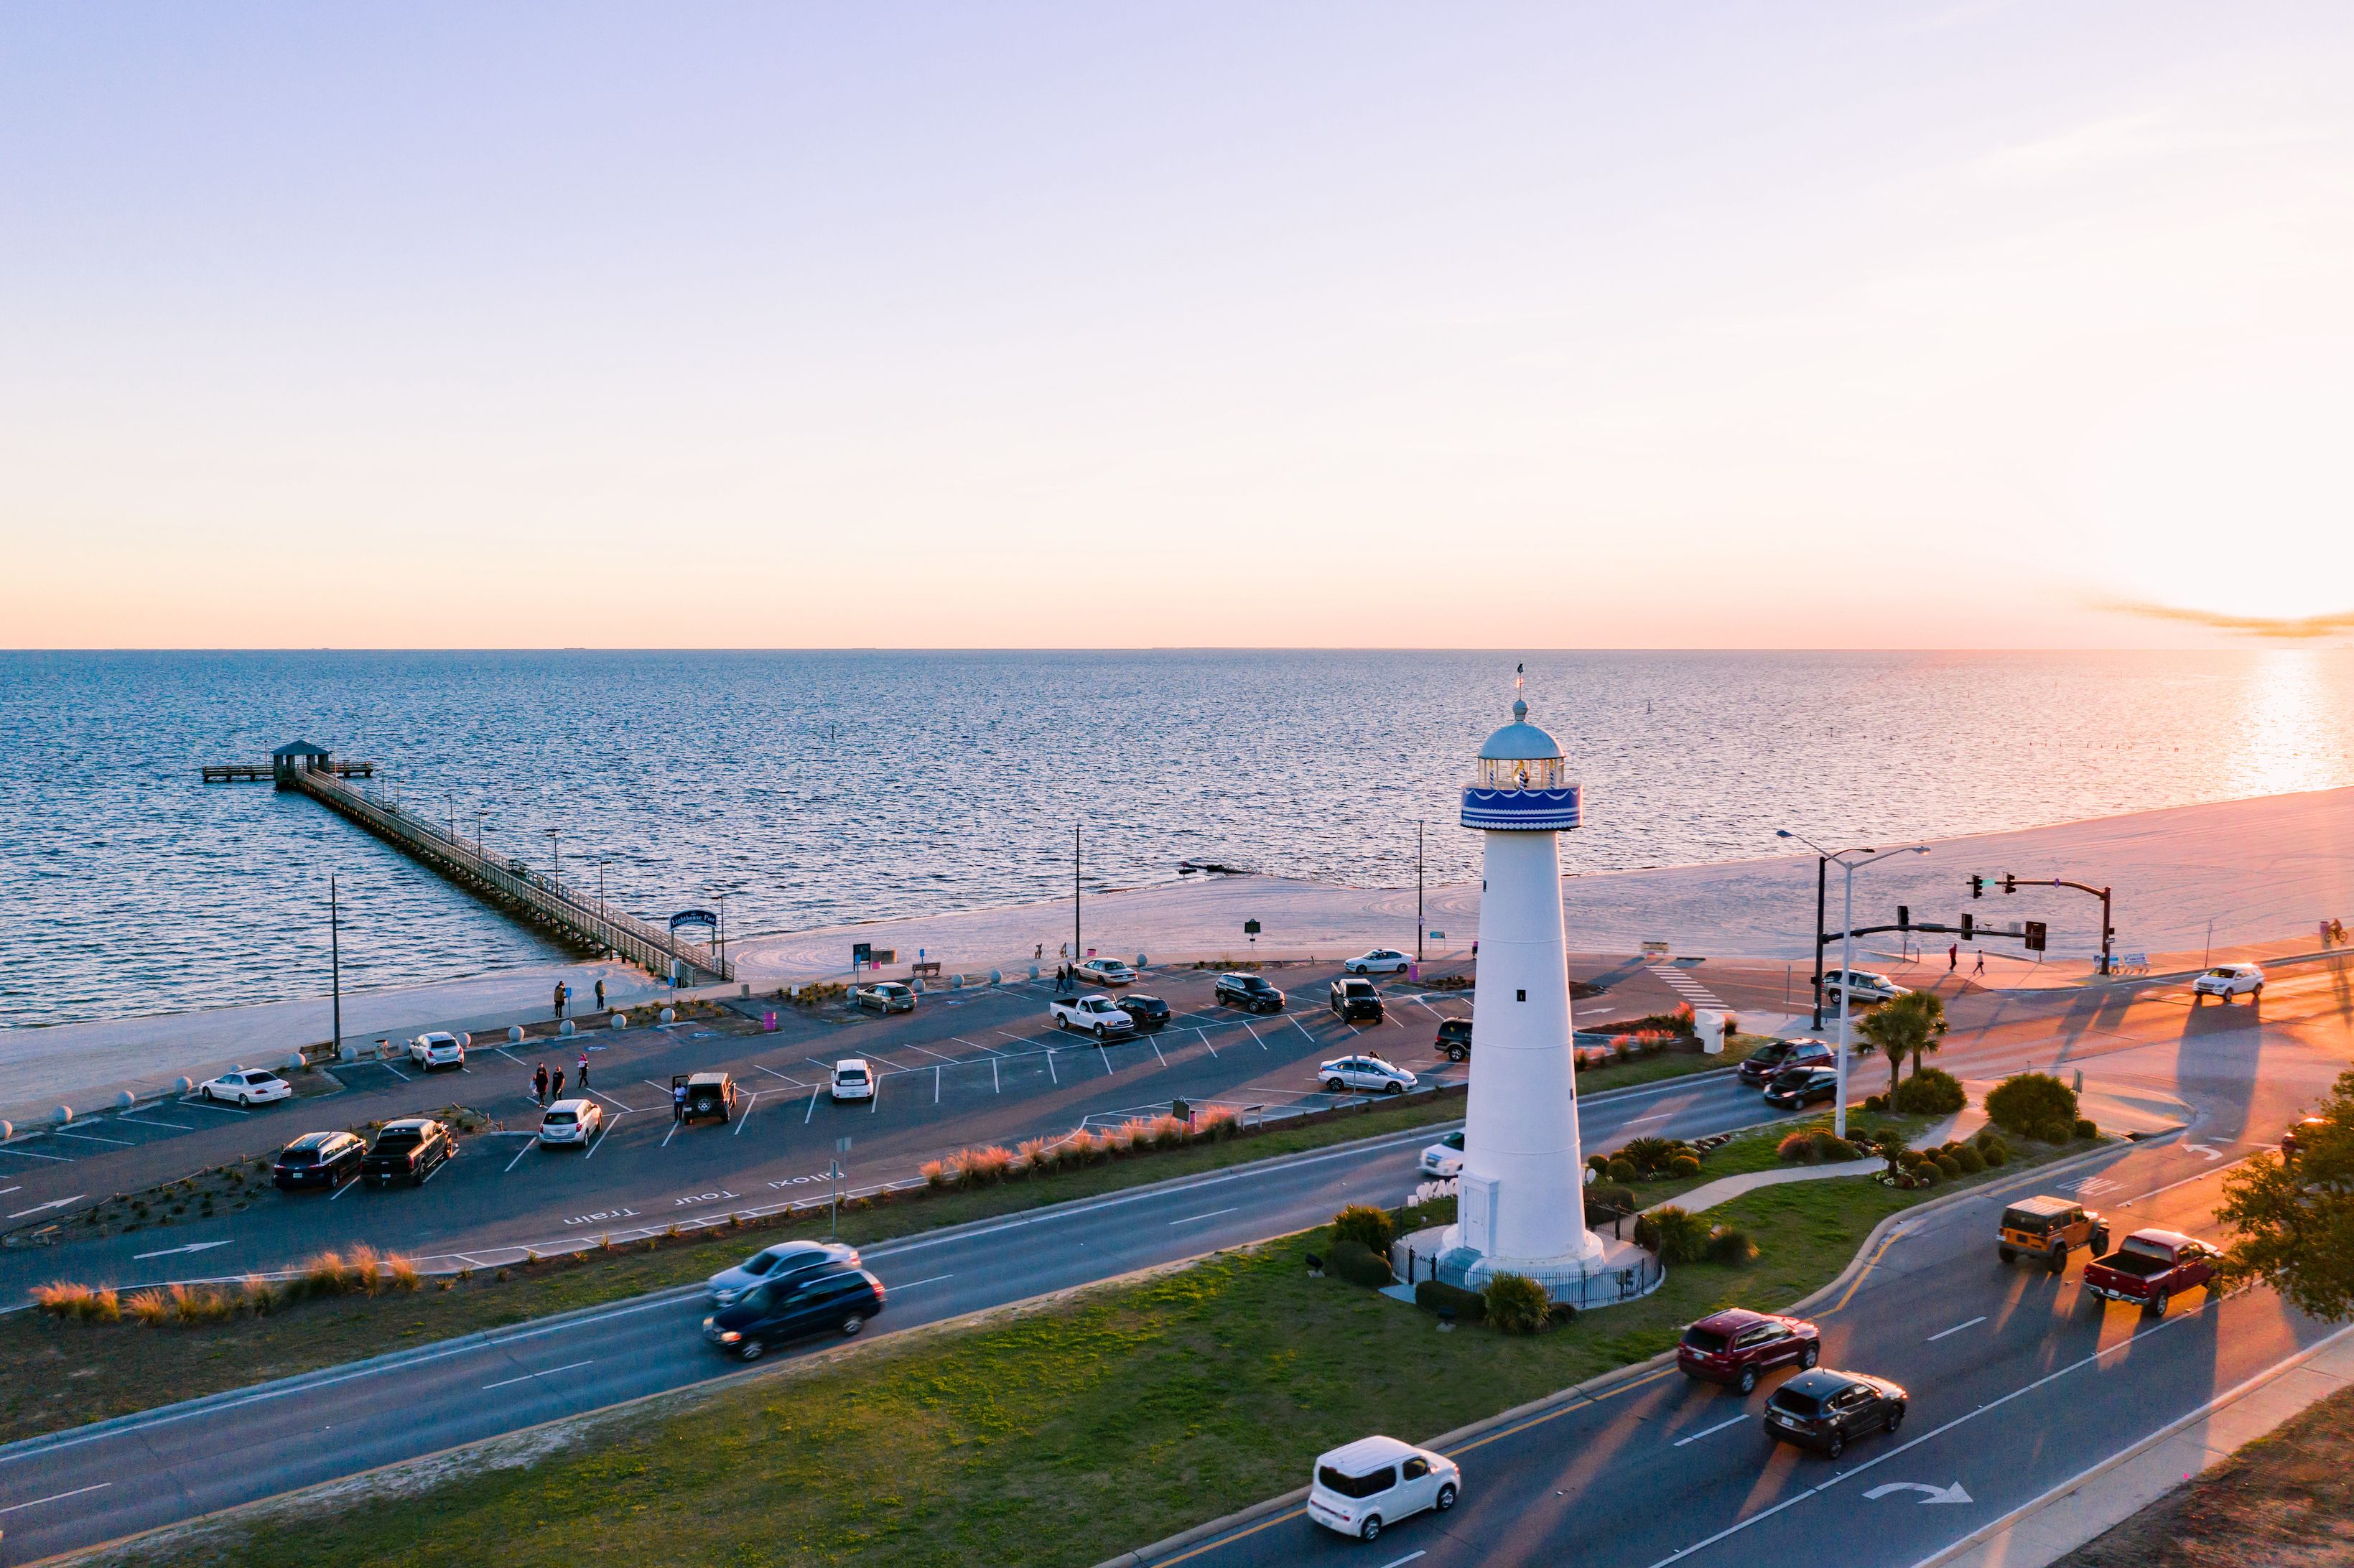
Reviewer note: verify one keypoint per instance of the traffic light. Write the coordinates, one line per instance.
(2009, 883)
(1968, 925)
(1978, 887)
(1905, 917)
(2035, 936)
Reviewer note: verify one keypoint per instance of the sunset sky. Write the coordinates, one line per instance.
(1960, 324)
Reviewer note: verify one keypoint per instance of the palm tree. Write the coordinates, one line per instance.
(1912, 1026)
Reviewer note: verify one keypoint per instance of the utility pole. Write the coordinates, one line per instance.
(335, 960)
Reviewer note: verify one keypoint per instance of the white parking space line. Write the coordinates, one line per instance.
(1957, 1327)
(976, 1045)
(216, 1105)
(1213, 1214)
(774, 1073)
(343, 1189)
(58, 1497)
(1402, 1562)
(6, 1191)
(529, 1376)
(60, 1158)
(93, 1137)
(1050, 1064)
(611, 1101)
(1011, 1035)
(651, 1084)
(528, 1145)
(874, 1096)
(927, 1051)
(590, 1153)
(935, 1084)
(1204, 1033)
(1253, 1034)
(1103, 1055)
(746, 1119)
(993, 1078)
(1156, 1051)
(175, 1125)
(813, 1110)
(394, 1071)
(1711, 1431)
(674, 1125)
(1301, 1027)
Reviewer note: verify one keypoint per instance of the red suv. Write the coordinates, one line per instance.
(1733, 1346)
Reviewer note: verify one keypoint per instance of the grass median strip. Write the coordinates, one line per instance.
(1053, 1435)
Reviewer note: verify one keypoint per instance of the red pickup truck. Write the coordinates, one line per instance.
(2150, 1269)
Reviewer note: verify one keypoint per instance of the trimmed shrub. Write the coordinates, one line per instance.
(1948, 1167)
(1622, 1171)
(1730, 1245)
(1601, 1199)
(1369, 1227)
(1969, 1160)
(1355, 1262)
(2085, 1129)
(2033, 1105)
(1517, 1304)
(1832, 1149)
(1930, 1091)
(1876, 1103)
(1799, 1147)
(1470, 1306)
(1682, 1238)
(1684, 1165)
(1991, 1148)
(1598, 1161)
(1926, 1173)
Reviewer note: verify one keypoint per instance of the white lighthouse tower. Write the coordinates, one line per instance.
(1520, 1201)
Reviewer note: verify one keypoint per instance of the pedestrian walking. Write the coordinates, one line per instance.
(539, 1085)
(1981, 965)
(556, 1085)
(1953, 958)
(1040, 953)
(600, 996)
(559, 998)
(678, 1102)
(583, 1076)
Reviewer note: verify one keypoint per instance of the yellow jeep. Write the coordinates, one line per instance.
(2048, 1227)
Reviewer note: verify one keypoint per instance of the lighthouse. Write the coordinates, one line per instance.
(1520, 1201)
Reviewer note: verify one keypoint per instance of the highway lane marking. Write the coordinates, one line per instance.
(2171, 1186)
(1402, 1562)
(1640, 1120)
(93, 1137)
(1566, 1407)
(1711, 1431)
(526, 1377)
(58, 1497)
(170, 1251)
(52, 1203)
(6, 1191)
(1213, 1214)
(1736, 1529)
(1870, 1264)
(911, 1284)
(1956, 1329)
(1239, 1535)
(746, 1119)
(529, 1144)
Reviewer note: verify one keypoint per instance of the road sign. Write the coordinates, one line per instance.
(2034, 935)
(1969, 927)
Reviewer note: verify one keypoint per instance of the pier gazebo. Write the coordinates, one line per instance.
(293, 757)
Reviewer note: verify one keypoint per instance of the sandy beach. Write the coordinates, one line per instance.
(2243, 876)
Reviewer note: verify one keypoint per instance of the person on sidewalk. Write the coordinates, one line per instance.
(1981, 965)
(600, 996)
(539, 1085)
(1953, 958)
(555, 1086)
(678, 1102)
(559, 998)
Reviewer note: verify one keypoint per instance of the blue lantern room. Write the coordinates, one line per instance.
(1521, 781)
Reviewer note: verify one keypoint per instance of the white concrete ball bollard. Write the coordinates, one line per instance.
(669, 1015)
(294, 1061)
(62, 1115)
(181, 1085)
(997, 977)
(350, 1053)
(1033, 971)
(123, 1099)
(515, 1033)
(1140, 960)
(620, 1021)
(8, 1130)
(956, 982)
(565, 1028)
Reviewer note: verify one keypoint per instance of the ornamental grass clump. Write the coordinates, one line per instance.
(151, 1307)
(403, 1272)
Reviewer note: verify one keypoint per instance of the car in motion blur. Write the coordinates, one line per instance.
(1734, 1346)
(777, 1310)
(1445, 1158)
(1824, 1410)
(1363, 1488)
(1778, 1056)
(782, 1261)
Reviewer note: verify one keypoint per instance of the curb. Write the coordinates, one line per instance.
(2076, 1483)
(1866, 1253)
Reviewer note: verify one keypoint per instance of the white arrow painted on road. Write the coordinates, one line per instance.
(52, 1203)
(1929, 1494)
(2202, 1148)
(167, 1252)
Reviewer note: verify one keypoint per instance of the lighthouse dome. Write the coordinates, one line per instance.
(1520, 741)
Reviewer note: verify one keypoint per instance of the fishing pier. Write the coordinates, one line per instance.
(512, 884)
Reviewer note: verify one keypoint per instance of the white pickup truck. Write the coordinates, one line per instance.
(1097, 1015)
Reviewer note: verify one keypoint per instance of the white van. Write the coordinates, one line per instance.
(1360, 1488)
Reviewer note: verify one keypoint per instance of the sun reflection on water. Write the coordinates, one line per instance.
(2289, 737)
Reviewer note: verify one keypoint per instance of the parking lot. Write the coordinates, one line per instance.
(978, 1066)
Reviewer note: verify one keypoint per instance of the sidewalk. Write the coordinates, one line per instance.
(2115, 1490)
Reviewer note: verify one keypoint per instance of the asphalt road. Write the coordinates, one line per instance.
(967, 1068)
(2019, 1381)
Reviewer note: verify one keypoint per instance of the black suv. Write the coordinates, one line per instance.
(318, 1159)
(1356, 999)
(1822, 1409)
(1777, 1054)
(1455, 1039)
(1796, 1087)
(1145, 1012)
(407, 1152)
(1249, 992)
(806, 1303)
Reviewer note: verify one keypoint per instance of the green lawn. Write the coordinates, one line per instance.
(1056, 1435)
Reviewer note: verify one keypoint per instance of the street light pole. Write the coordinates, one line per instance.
(479, 815)
(335, 960)
(1417, 890)
(1847, 952)
(1074, 893)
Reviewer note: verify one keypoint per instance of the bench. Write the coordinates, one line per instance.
(931, 968)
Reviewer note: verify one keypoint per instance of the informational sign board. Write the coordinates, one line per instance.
(861, 952)
(1655, 950)
(1250, 927)
(703, 918)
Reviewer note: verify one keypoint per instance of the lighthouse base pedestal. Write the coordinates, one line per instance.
(1604, 1273)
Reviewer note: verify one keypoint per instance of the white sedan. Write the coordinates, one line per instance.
(245, 1086)
(438, 1049)
(1104, 971)
(2228, 981)
(1445, 1158)
(571, 1121)
(1370, 1074)
(1380, 961)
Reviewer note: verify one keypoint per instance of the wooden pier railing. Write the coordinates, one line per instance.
(510, 882)
(263, 772)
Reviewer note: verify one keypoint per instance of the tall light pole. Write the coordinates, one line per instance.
(1076, 951)
(479, 815)
(335, 961)
(1847, 948)
(1417, 890)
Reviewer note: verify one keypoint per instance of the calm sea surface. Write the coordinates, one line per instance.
(815, 788)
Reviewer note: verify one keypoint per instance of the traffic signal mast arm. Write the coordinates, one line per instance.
(2013, 884)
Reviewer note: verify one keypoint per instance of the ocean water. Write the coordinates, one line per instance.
(809, 789)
